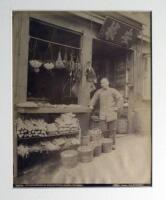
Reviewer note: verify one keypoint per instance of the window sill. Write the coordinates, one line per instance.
(54, 109)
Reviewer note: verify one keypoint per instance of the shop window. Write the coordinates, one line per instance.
(54, 59)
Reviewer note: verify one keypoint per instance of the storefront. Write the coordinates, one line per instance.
(51, 54)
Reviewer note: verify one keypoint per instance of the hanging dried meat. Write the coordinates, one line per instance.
(65, 59)
(90, 73)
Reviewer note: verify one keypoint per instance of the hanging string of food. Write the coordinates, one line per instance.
(59, 62)
(90, 76)
(75, 73)
(49, 65)
(34, 63)
(62, 61)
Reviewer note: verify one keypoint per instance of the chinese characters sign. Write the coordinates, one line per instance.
(117, 32)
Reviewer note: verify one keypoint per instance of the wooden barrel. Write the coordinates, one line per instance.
(122, 126)
(85, 139)
(106, 145)
(69, 158)
(98, 149)
(85, 153)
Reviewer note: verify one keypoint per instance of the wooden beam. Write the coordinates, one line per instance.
(20, 71)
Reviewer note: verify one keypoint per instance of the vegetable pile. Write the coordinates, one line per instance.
(47, 146)
(66, 124)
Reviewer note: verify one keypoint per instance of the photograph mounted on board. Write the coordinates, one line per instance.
(82, 98)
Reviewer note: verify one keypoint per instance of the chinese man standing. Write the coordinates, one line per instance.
(110, 102)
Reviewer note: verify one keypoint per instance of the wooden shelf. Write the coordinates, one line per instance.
(58, 109)
(46, 137)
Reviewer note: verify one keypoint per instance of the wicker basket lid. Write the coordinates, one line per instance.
(69, 153)
(85, 148)
(106, 140)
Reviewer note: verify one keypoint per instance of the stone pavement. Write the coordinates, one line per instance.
(130, 163)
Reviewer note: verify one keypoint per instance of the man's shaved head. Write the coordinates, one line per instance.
(104, 83)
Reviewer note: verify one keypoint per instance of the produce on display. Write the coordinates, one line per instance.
(77, 71)
(65, 60)
(61, 131)
(23, 151)
(90, 73)
(71, 142)
(47, 146)
(31, 128)
(59, 63)
(52, 129)
(35, 64)
(95, 134)
(71, 64)
(49, 65)
(67, 124)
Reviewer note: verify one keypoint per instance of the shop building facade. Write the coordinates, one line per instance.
(43, 35)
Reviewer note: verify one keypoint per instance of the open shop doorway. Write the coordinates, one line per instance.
(116, 64)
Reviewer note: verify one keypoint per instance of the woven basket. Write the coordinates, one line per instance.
(106, 145)
(122, 127)
(97, 149)
(92, 144)
(95, 137)
(85, 153)
(85, 139)
(69, 158)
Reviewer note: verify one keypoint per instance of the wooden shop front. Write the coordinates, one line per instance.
(57, 41)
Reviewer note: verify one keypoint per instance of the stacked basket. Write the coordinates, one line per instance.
(92, 145)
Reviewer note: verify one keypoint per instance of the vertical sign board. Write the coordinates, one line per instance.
(118, 32)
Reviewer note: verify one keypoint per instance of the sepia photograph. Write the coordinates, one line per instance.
(82, 102)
